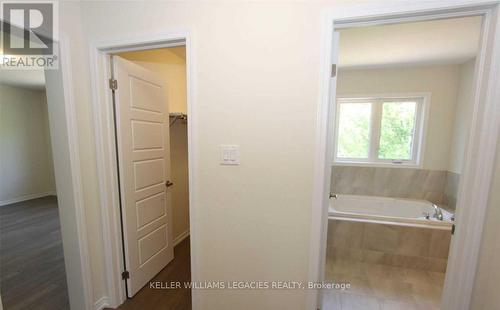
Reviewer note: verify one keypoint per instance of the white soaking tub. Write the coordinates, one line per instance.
(387, 210)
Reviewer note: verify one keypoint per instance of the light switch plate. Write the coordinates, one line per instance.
(229, 154)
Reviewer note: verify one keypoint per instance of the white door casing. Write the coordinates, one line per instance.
(327, 157)
(144, 168)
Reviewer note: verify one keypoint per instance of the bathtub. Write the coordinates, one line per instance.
(387, 210)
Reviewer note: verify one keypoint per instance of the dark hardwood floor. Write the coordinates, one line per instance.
(179, 270)
(32, 273)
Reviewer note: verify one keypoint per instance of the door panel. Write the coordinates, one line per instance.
(148, 173)
(144, 164)
(152, 243)
(145, 95)
(150, 209)
(147, 135)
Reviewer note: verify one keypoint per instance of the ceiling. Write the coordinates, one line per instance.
(444, 41)
(179, 51)
(35, 79)
(32, 79)
(26, 78)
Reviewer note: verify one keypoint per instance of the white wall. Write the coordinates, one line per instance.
(463, 117)
(180, 177)
(256, 84)
(441, 81)
(253, 220)
(487, 282)
(26, 165)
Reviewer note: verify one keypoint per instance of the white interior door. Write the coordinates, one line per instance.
(144, 166)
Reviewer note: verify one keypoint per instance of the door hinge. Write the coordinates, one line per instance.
(334, 70)
(113, 84)
(125, 275)
(453, 229)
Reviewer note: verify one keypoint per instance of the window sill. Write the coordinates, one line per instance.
(377, 165)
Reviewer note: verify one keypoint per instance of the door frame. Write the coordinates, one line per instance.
(69, 185)
(104, 135)
(483, 137)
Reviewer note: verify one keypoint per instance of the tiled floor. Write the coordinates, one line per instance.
(381, 287)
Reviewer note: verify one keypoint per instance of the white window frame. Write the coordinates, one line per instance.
(418, 147)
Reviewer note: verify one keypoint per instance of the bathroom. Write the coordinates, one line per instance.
(403, 109)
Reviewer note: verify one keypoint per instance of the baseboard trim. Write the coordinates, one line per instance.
(181, 237)
(101, 303)
(26, 197)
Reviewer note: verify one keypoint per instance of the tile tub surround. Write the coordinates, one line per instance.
(397, 246)
(451, 189)
(390, 182)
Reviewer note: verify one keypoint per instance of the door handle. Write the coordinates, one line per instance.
(168, 184)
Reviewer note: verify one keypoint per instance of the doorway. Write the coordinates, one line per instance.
(401, 131)
(160, 206)
(467, 222)
(66, 213)
(31, 255)
(152, 122)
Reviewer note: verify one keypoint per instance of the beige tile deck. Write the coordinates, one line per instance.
(382, 287)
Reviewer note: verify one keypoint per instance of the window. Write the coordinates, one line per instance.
(379, 130)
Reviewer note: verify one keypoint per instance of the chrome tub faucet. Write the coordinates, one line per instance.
(438, 213)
